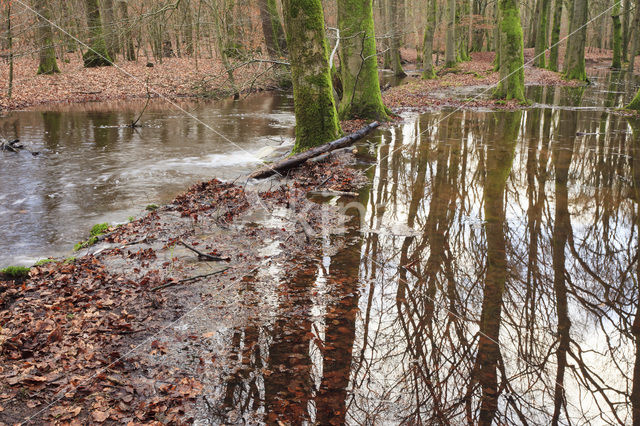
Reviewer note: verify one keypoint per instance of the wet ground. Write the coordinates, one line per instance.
(489, 273)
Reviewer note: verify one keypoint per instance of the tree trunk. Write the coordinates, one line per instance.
(450, 47)
(96, 55)
(397, 24)
(111, 32)
(10, 48)
(187, 27)
(635, 40)
(314, 105)
(533, 27)
(48, 63)
(272, 28)
(541, 37)
(575, 68)
(361, 95)
(555, 36)
(127, 38)
(626, 14)
(428, 70)
(616, 64)
(511, 85)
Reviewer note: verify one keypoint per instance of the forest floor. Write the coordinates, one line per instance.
(133, 330)
(177, 78)
(479, 73)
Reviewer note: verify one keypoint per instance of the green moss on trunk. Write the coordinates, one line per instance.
(48, 63)
(635, 103)
(314, 105)
(361, 95)
(555, 36)
(541, 36)
(428, 71)
(511, 85)
(617, 37)
(574, 65)
(96, 55)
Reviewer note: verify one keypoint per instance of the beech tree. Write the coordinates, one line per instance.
(510, 55)
(555, 36)
(574, 65)
(48, 63)
(541, 36)
(361, 96)
(428, 72)
(272, 28)
(450, 49)
(616, 36)
(314, 105)
(96, 55)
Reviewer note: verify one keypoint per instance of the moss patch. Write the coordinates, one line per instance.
(96, 231)
(15, 272)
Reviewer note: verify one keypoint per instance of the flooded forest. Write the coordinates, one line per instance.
(320, 212)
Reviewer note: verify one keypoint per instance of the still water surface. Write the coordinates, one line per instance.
(494, 275)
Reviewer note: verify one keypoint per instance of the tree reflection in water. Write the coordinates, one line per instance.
(495, 281)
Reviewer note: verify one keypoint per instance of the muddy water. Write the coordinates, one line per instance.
(93, 169)
(491, 277)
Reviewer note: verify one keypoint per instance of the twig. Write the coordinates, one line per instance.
(197, 277)
(205, 255)
(134, 124)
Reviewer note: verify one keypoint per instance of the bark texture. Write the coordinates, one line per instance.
(314, 105)
(450, 48)
(397, 14)
(574, 66)
(511, 85)
(617, 37)
(129, 50)
(361, 96)
(555, 36)
(272, 28)
(428, 71)
(48, 63)
(96, 55)
(541, 36)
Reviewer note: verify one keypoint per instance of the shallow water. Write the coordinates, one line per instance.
(93, 169)
(491, 276)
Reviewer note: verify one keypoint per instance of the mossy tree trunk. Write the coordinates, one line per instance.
(272, 28)
(397, 25)
(314, 105)
(511, 85)
(617, 36)
(574, 68)
(541, 36)
(96, 55)
(450, 47)
(555, 36)
(361, 95)
(635, 103)
(48, 63)
(129, 50)
(428, 71)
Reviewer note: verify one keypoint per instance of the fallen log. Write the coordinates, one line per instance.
(296, 160)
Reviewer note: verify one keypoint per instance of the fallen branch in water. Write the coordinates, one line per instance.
(15, 146)
(197, 277)
(204, 255)
(296, 160)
